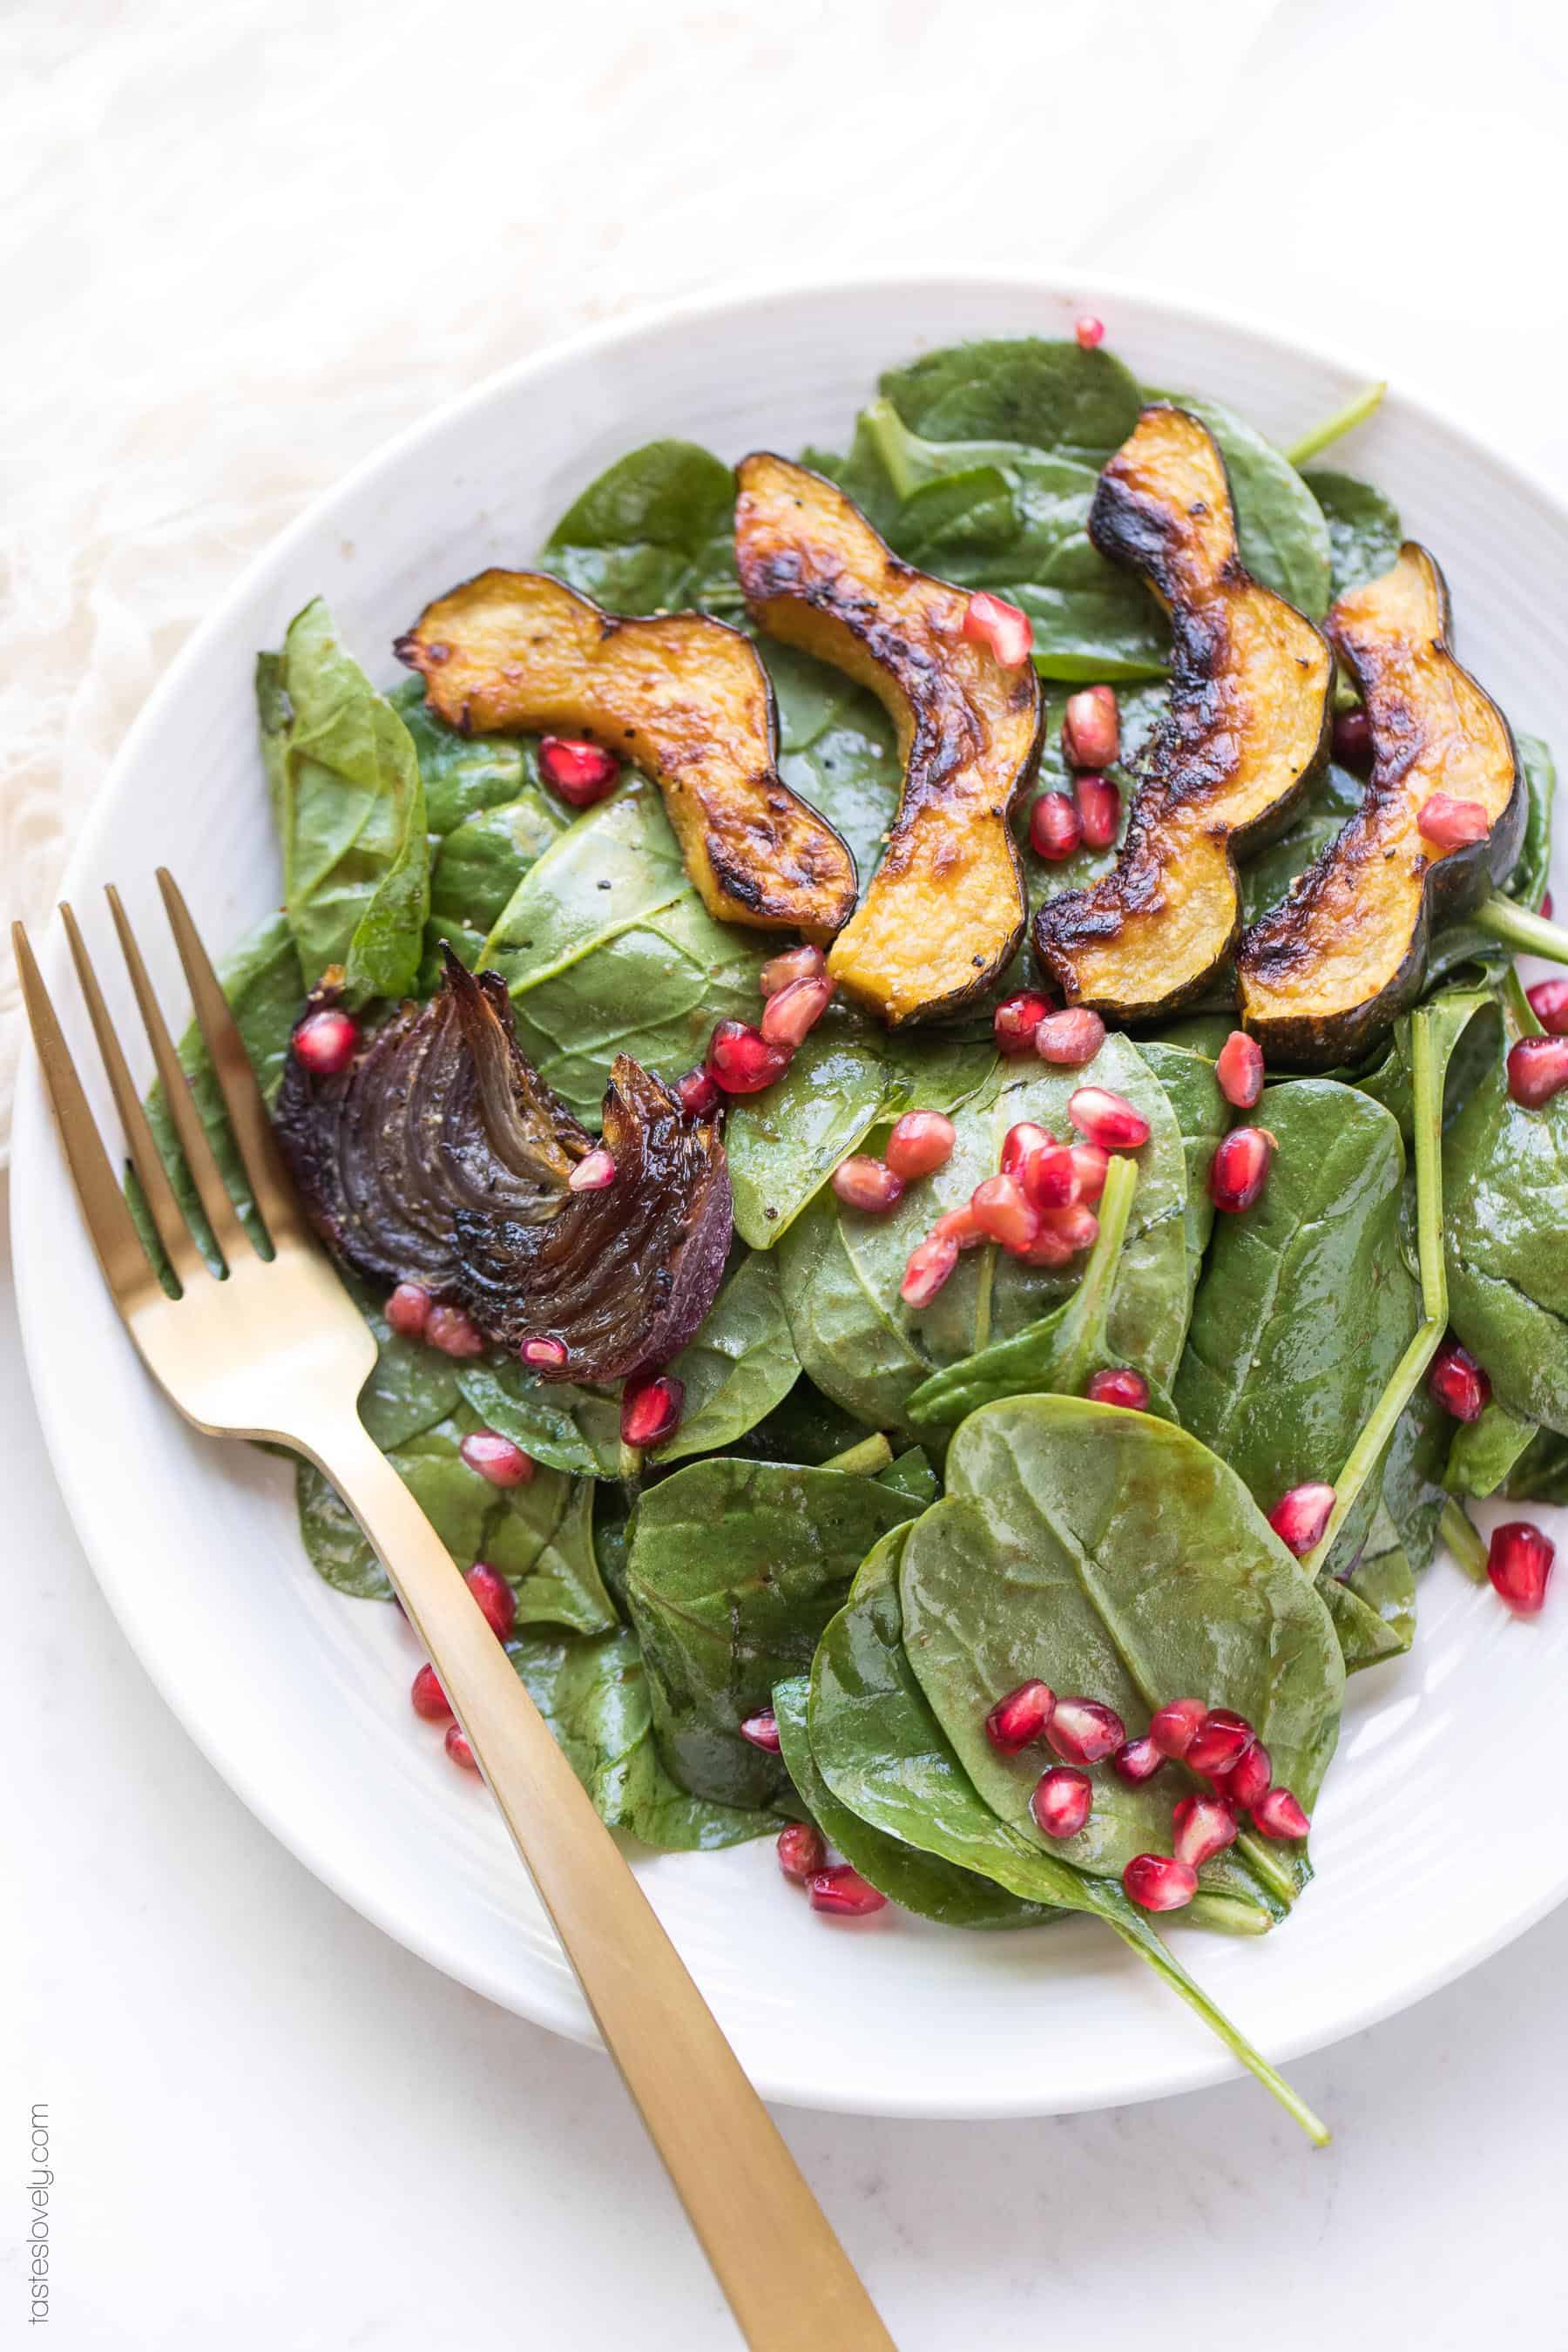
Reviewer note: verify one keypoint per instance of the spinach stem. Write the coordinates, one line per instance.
(1344, 420)
(1517, 927)
(1463, 1540)
(1085, 1318)
(871, 1455)
(1152, 1947)
(891, 436)
(1521, 1010)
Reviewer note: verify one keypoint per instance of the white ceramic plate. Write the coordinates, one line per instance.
(1425, 1863)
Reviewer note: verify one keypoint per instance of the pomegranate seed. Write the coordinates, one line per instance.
(650, 1409)
(1019, 1719)
(960, 1226)
(1203, 1827)
(1015, 1021)
(1120, 1385)
(1174, 1726)
(763, 1731)
(1548, 1003)
(926, 1268)
(1076, 1228)
(1091, 1161)
(792, 1014)
(1020, 1144)
(843, 1893)
(1108, 1119)
(326, 1042)
(1003, 1211)
(1091, 333)
(543, 1354)
(1091, 728)
(1537, 1069)
(1099, 806)
(1056, 827)
(1081, 1731)
(1157, 1883)
(495, 1457)
(1299, 1517)
(408, 1310)
(1050, 1177)
(498, 1602)
(1519, 1562)
(866, 1184)
(801, 1851)
(458, 1748)
(1220, 1742)
(455, 1333)
(1459, 1383)
(1239, 1070)
(782, 972)
(991, 621)
(1239, 1169)
(1061, 1801)
(429, 1700)
(1247, 1779)
(581, 772)
(1352, 738)
(921, 1142)
(1544, 910)
(700, 1097)
(1450, 824)
(1070, 1039)
(1048, 1248)
(1278, 1815)
(741, 1060)
(1136, 1760)
(592, 1172)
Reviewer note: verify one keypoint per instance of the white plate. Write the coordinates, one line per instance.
(1431, 1849)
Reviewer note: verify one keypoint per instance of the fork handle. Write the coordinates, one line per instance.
(788, 2280)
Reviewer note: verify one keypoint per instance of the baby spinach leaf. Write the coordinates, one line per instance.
(804, 1427)
(1187, 1074)
(837, 749)
(539, 1537)
(654, 533)
(913, 1474)
(1052, 395)
(454, 1499)
(1413, 1472)
(1541, 1475)
(734, 1570)
(1365, 532)
(461, 773)
(1484, 1452)
(412, 1388)
(1284, 537)
(1505, 1212)
(739, 1367)
(568, 1427)
(483, 859)
(334, 1544)
(1373, 1606)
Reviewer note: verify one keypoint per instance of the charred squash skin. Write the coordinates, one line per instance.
(944, 913)
(1324, 975)
(1247, 727)
(683, 698)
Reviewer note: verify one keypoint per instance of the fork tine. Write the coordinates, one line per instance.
(126, 1266)
(269, 1179)
(154, 1177)
(211, 1191)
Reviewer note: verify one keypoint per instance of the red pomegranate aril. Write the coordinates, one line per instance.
(1548, 1003)
(742, 1061)
(593, 1171)
(496, 1457)
(960, 1226)
(1247, 1779)
(497, 1600)
(1353, 738)
(1061, 1801)
(1239, 1169)
(1016, 1021)
(1239, 1070)
(1056, 827)
(1070, 1039)
(1091, 730)
(762, 1730)
(1157, 1882)
(801, 1851)
(1099, 807)
(1020, 1144)
(700, 1097)
(1077, 1228)
(543, 1354)
(1174, 1726)
(1019, 1720)
(1537, 1069)
(1003, 1211)
(580, 772)
(458, 1748)
(991, 621)
(1050, 1177)
(408, 1310)
(1519, 1562)
(429, 1700)
(1276, 1814)
(1203, 1826)
(1082, 1731)
(1450, 824)
(1092, 1162)
(782, 972)
(926, 1268)
(867, 1184)
(326, 1042)
(650, 1409)
(1119, 1384)
(1299, 1517)
(789, 1018)
(1091, 333)
(455, 1333)
(1136, 1760)
(921, 1143)
(1048, 1247)
(1544, 910)
(1108, 1119)
(843, 1893)
(1458, 1382)
(1220, 1742)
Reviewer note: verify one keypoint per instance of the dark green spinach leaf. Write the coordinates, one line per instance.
(654, 533)
(462, 774)
(1364, 531)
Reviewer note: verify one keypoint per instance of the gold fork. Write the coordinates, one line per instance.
(277, 1350)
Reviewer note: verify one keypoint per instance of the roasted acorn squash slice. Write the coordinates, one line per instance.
(1248, 726)
(684, 698)
(1327, 970)
(945, 912)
